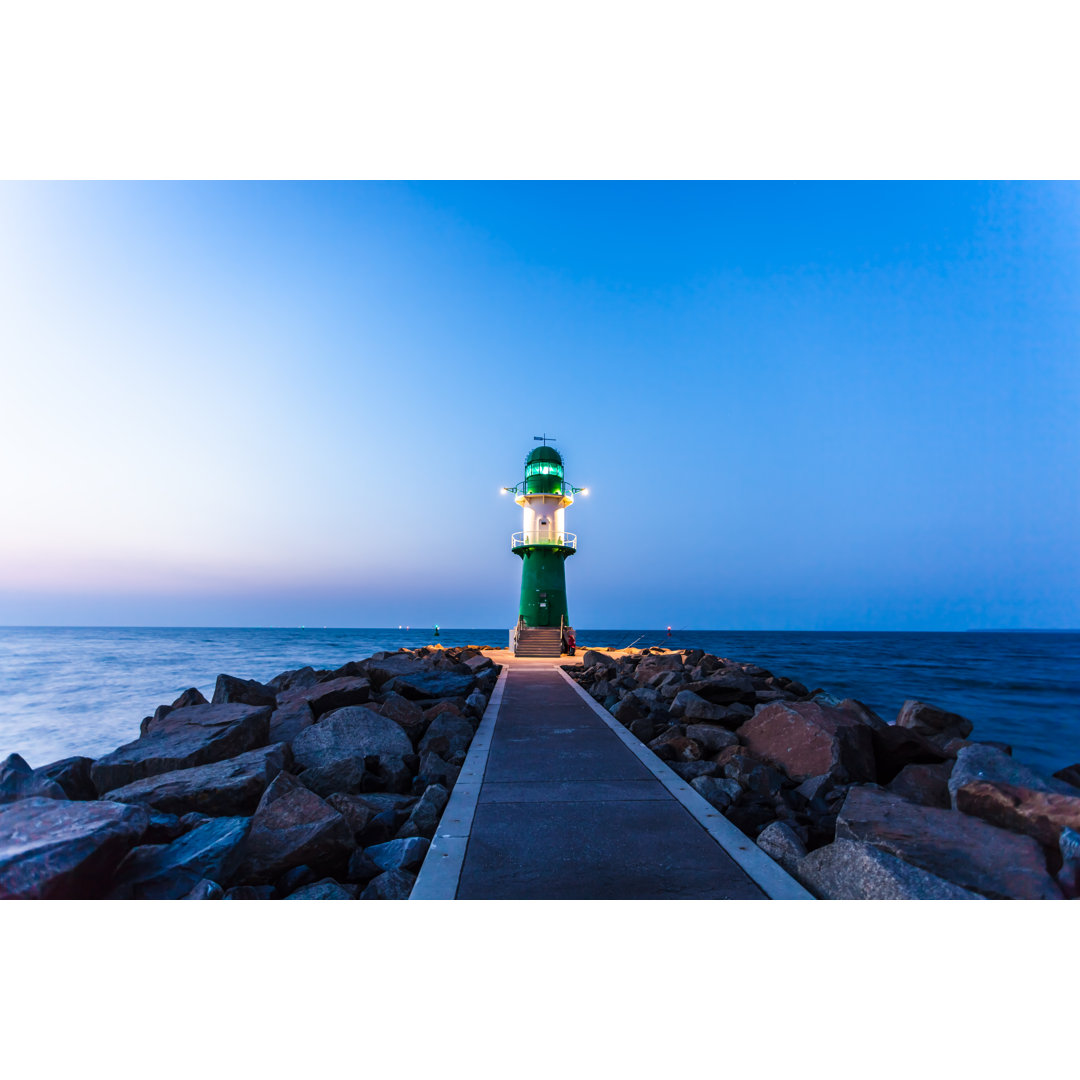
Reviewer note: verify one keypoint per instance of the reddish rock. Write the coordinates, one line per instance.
(353, 809)
(196, 735)
(1039, 814)
(927, 785)
(980, 761)
(807, 739)
(406, 714)
(53, 849)
(673, 746)
(931, 721)
(964, 850)
(865, 714)
(292, 827)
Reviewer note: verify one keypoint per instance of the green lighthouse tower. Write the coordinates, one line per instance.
(543, 544)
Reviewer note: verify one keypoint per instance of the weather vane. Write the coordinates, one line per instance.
(543, 438)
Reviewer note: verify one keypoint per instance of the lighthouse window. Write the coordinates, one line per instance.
(539, 469)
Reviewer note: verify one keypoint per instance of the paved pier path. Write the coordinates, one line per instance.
(556, 801)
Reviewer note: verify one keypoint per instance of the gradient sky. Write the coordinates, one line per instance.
(796, 406)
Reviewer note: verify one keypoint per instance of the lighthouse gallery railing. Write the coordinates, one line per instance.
(563, 539)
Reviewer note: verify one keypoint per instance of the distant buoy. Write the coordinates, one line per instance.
(669, 631)
(436, 631)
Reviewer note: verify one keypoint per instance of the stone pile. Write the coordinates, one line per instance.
(318, 785)
(851, 806)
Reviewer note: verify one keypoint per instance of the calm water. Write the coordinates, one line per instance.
(67, 691)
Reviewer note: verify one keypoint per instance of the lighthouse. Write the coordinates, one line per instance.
(543, 545)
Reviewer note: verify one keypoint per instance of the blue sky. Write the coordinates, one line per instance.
(796, 405)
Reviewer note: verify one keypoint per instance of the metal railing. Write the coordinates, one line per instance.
(563, 539)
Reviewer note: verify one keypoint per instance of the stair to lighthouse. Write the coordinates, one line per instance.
(539, 641)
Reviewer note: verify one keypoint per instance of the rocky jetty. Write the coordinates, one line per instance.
(850, 805)
(317, 785)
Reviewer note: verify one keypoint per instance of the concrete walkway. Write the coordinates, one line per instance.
(556, 801)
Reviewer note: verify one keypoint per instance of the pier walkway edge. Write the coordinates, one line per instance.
(556, 800)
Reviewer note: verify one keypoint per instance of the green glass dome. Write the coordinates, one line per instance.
(544, 453)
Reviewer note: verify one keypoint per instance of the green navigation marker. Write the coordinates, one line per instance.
(544, 545)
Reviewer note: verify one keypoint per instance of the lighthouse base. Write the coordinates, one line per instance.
(543, 585)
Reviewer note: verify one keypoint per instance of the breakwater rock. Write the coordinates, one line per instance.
(850, 805)
(317, 785)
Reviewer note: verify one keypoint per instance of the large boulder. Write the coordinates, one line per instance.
(327, 889)
(221, 789)
(931, 721)
(848, 870)
(479, 663)
(447, 735)
(405, 854)
(691, 706)
(388, 667)
(230, 689)
(927, 785)
(719, 793)
(425, 815)
(53, 849)
(354, 809)
(297, 679)
(807, 739)
(895, 748)
(391, 885)
(964, 850)
(171, 871)
(1070, 775)
(73, 776)
(289, 719)
(782, 844)
(1039, 814)
(196, 735)
(19, 781)
(328, 696)
(725, 687)
(405, 713)
(592, 657)
(432, 684)
(337, 751)
(987, 763)
(652, 665)
(291, 827)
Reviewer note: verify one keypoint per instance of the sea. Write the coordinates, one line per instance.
(83, 690)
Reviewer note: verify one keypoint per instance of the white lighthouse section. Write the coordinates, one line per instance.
(543, 518)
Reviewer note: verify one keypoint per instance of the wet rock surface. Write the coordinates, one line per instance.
(53, 849)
